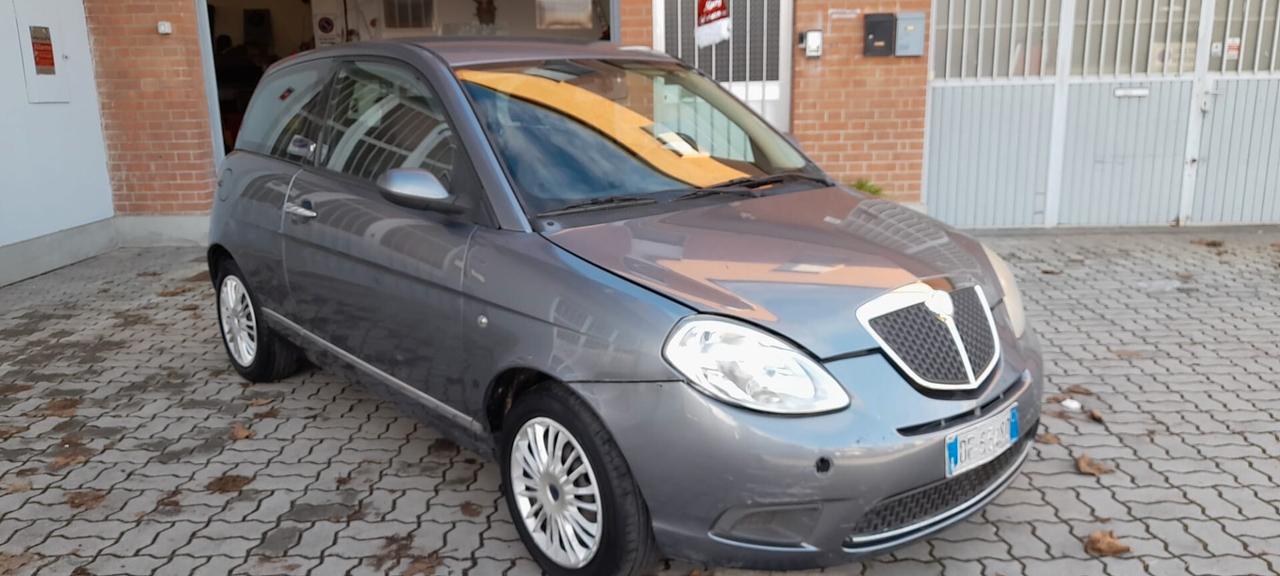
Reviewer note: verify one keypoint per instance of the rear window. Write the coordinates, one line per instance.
(287, 103)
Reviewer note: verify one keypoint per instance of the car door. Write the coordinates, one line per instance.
(376, 279)
(277, 138)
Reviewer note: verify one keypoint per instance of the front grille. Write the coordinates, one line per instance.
(926, 502)
(922, 343)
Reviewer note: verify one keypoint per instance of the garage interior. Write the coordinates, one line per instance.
(250, 35)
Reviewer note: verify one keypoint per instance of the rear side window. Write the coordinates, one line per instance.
(287, 104)
(382, 117)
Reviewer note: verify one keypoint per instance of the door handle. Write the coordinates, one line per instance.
(300, 211)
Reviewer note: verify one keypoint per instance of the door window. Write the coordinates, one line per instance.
(286, 113)
(382, 117)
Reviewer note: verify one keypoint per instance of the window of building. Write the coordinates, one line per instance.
(409, 13)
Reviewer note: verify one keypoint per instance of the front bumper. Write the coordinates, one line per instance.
(734, 487)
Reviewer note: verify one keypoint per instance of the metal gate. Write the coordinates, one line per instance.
(1138, 112)
(754, 64)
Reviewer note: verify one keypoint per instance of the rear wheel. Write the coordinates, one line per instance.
(569, 490)
(255, 350)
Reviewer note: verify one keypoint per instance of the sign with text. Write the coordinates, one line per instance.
(42, 51)
(713, 24)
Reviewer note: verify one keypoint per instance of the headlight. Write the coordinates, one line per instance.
(1012, 296)
(741, 365)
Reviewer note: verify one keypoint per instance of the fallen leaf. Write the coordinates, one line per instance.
(1048, 438)
(70, 455)
(1127, 354)
(272, 413)
(1087, 465)
(1102, 543)
(58, 408)
(85, 499)
(1050, 271)
(11, 563)
(30, 471)
(148, 274)
(1055, 399)
(240, 432)
(1095, 415)
(81, 571)
(393, 549)
(228, 483)
(440, 445)
(424, 565)
(342, 481)
(1080, 390)
(7, 431)
(174, 292)
(189, 307)
(1185, 276)
(470, 509)
(202, 276)
(11, 389)
(1208, 243)
(18, 486)
(1059, 414)
(170, 500)
(261, 401)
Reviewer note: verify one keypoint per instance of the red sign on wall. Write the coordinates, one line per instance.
(712, 23)
(42, 50)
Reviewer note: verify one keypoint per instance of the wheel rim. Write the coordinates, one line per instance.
(556, 492)
(239, 325)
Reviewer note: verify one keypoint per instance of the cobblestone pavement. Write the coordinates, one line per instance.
(130, 447)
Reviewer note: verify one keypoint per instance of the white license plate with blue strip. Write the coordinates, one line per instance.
(981, 442)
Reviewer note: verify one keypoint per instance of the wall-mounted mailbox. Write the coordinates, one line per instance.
(878, 32)
(909, 35)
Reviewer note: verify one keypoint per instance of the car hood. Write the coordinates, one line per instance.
(798, 263)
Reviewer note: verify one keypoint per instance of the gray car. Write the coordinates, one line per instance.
(677, 335)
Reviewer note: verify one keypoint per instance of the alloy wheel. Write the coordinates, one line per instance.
(556, 492)
(239, 325)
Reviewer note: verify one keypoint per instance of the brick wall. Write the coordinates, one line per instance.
(636, 20)
(154, 112)
(860, 117)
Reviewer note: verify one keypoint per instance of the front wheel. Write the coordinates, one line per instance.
(570, 491)
(256, 352)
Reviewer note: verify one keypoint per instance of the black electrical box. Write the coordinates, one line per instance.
(878, 34)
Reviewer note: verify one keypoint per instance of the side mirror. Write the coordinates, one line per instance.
(301, 146)
(416, 188)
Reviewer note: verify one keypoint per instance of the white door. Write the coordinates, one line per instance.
(754, 64)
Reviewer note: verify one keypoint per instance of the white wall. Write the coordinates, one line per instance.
(53, 162)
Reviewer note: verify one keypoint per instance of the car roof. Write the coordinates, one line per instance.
(462, 51)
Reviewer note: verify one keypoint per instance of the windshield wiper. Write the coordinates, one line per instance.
(758, 181)
(600, 203)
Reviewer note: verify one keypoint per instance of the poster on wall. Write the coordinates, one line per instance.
(712, 24)
(327, 31)
(564, 14)
(42, 51)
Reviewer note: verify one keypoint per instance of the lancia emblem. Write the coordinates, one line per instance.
(939, 302)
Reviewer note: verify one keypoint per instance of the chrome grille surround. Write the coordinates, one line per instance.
(941, 340)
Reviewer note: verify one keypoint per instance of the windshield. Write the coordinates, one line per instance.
(576, 131)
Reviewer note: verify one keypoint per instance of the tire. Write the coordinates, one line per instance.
(625, 544)
(272, 357)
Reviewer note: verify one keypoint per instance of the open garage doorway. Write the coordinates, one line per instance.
(247, 36)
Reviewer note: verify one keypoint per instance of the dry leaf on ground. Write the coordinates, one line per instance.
(1048, 438)
(85, 499)
(1056, 398)
(58, 408)
(174, 292)
(228, 483)
(424, 565)
(11, 563)
(240, 432)
(1127, 354)
(1208, 243)
(16, 486)
(1095, 415)
(261, 401)
(1080, 390)
(1102, 543)
(170, 500)
(1087, 465)
(7, 431)
(393, 549)
(470, 509)
(271, 413)
(1050, 271)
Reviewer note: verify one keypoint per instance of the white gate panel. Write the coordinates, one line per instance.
(989, 154)
(1124, 152)
(1239, 175)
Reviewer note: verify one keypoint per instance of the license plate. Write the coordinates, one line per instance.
(980, 443)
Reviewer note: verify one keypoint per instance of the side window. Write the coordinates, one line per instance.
(381, 116)
(287, 104)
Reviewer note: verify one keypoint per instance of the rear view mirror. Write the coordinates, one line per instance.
(416, 188)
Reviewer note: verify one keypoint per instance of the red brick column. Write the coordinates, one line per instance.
(637, 22)
(860, 117)
(154, 112)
